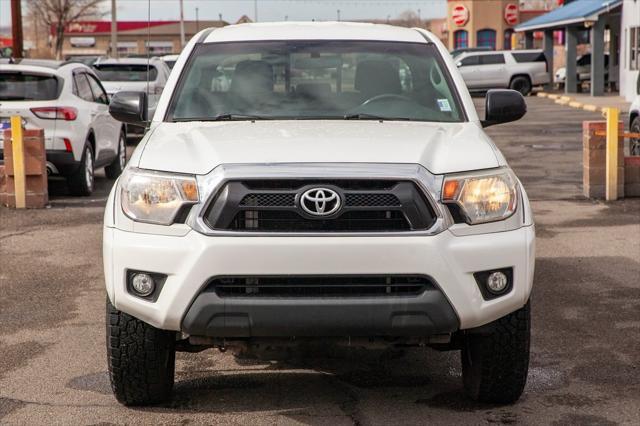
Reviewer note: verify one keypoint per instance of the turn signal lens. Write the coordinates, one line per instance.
(482, 198)
(155, 197)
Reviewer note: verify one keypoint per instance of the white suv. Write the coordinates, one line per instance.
(317, 181)
(68, 101)
(519, 70)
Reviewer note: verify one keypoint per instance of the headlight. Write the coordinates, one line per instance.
(483, 197)
(156, 197)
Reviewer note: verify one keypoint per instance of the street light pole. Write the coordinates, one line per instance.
(197, 21)
(182, 42)
(114, 30)
(255, 10)
(16, 29)
(338, 15)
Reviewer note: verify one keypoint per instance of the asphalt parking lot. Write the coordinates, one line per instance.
(585, 364)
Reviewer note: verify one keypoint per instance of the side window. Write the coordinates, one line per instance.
(83, 90)
(470, 60)
(99, 95)
(492, 59)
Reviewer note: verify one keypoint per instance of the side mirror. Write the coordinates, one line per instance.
(459, 64)
(129, 107)
(503, 106)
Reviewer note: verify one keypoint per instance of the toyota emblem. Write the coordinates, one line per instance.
(320, 201)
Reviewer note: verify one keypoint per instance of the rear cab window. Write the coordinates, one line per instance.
(126, 72)
(28, 86)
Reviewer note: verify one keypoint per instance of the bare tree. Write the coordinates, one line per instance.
(58, 14)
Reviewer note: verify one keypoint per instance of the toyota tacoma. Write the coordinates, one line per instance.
(305, 182)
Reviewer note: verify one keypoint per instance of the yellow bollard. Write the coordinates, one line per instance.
(19, 175)
(611, 184)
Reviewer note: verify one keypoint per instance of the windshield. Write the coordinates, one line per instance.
(125, 72)
(24, 86)
(315, 80)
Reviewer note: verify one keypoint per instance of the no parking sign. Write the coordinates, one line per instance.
(460, 15)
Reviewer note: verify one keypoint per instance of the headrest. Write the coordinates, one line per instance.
(377, 77)
(251, 77)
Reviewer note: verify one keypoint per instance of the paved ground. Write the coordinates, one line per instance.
(585, 366)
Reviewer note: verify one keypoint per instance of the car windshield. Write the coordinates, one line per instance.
(24, 86)
(314, 79)
(125, 72)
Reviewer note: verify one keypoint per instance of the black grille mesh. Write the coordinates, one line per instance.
(268, 200)
(320, 286)
(371, 200)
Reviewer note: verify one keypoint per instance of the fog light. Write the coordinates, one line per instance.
(497, 282)
(143, 284)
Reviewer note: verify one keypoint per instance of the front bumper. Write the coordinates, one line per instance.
(190, 260)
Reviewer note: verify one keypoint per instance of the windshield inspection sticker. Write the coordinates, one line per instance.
(444, 106)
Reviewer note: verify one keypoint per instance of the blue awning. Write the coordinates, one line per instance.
(576, 12)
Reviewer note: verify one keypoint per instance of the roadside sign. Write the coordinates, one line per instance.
(511, 13)
(460, 15)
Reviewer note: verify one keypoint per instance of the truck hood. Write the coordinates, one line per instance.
(198, 147)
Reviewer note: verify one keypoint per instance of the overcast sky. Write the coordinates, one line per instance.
(268, 10)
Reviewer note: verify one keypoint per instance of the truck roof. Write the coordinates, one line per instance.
(314, 31)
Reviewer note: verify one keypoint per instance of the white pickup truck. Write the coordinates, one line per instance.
(317, 182)
(519, 70)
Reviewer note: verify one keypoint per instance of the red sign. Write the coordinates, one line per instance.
(511, 13)
(460, 15)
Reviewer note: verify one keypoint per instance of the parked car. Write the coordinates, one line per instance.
(519, 70)
(84, 59)
(457, 52)
(170, 60)
(318, 198)
(583, 69)
(68, 101)
(132, 74)
(634, 120)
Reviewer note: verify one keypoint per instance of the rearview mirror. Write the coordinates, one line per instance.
(503, 106)
(129, 107)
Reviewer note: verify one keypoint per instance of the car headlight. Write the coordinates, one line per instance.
(482, 197)
(156, 197)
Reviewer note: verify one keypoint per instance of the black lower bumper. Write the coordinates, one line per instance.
(426, 314)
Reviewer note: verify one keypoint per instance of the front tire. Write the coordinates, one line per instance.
(141, 359)
(521, 84)
(495, 365)
(81, 181)
(116, 167)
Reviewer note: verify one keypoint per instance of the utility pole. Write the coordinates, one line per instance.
(182, 43)
(114, 30)
(338, 15)
(255, 10)
(16, 29)
(197, 21)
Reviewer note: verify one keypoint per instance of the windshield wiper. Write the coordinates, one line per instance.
(224, 117)
(365, 116)
(233, 116)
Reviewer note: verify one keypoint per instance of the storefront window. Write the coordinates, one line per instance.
(487, 38)
(634, 48)
(461, 39)
(508, 33)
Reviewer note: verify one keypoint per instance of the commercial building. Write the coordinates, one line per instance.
(596, 24)
(134, 37)
(490, 23)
